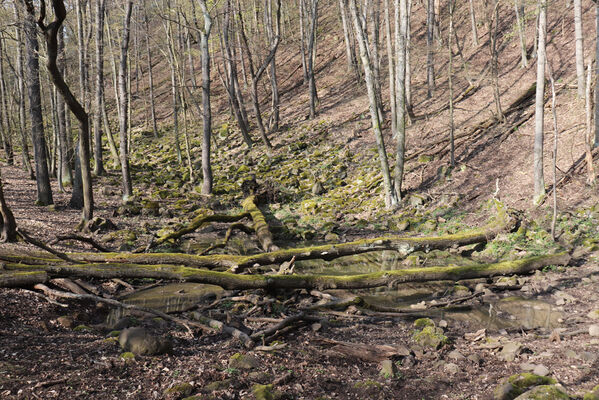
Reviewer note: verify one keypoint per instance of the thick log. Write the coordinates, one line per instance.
(229, 280)
(22, 278)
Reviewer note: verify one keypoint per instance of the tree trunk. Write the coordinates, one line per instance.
(493, 27)
(311, 52)
(64, 143)
(579, 47)
(430, 67)
(391, 199)
(123, 103)
(5, 123)
(350, 50)
(520, 18)
(596, 141)
(450, 84)
(44, 191)
(401, 33)
(588, 139)
(8, 226)
(539, 181)
(98, 157)
(391, 66)
(473, 23)
(150, 73)
(272, 38)
(207, 113)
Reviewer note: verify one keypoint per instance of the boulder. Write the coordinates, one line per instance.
(140, 342)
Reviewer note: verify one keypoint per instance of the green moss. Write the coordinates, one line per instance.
(368, 384)
(430, 336)
(526, 380)
(180, 389)
(114, 334)
(82, 328)
(544, 392)
(263, 392)
(423, 322)
(128, 356)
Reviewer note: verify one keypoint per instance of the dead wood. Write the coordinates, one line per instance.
(366, 352)
(22, 278)
(239, 226)
(83, 239)
(43, 246)
(68, 284)
(301, 317)
(196, 223)
(207, 325)
(229, 280)
(259, 224)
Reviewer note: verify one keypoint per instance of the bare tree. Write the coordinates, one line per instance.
(42, 177)
(579, 47)
(4, 121)
(207, 116)
(473, 23)
(539, 181)
(8, 226)
(391, 199)
(401, 34)
(520, 18)
(51, 35)
(124, 103)
(98, 157)
(430, 66)
(588, 139)
(313, 15)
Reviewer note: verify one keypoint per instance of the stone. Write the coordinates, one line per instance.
(217, 385)
(594, 330)
(480, 287)
(451, 368)
(100, 225)
(510, 350)
(475, 358)
(317, 188)
(456, 355)
(140, 342)
(423, 322)
(544, 392)
(331, 237)
(443, 324)
(66, 322)
(588, 356)
(430, 336)
(263, 392)
(593, 314)
(541, 370)
(527, 366)
(515, 385)
(179, 390)
(388, 369)
(243, 361)
(260, 377)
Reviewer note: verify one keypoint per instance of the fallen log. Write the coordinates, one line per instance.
(404, 245)
(230, 280)
(22, 278)
(260, 226)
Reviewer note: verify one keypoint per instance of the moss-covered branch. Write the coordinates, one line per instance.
(229, 280)
(22, 278)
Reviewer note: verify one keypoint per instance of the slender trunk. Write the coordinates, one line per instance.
(579, 47)
(596, 142)
(207, 116)
(588, 140)
(350, 50)
(493, 26)
(391, 66)
(150, 73)
(64, 143)
(450, 83)
(430, 67)
(123, 93)
(539, 181)
(302, 12)
(98, 157)
(311, 57)
(473, 23)
(401, 22)
(44, 191)
(391, 199)
(519, 9)
(5, 123)
(409, 108)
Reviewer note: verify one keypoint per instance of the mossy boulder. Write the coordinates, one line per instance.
(150, 207)
(423, 322)
(544, 392)
(243, 361)
(179, 390)
(82, 328)
(217, 385)
(593, 394)
(517, 384)
(430, 336)
(128, 356)
(141, 342)
(264, 392)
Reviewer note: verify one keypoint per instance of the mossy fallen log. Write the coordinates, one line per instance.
(229, 280)
(22, 278)
(259, 224)
(235, 263)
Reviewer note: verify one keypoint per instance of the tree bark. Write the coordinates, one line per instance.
(207, 113)
(4, 120)
(400, 86)
(311, 56)
(8, 226)
(579, 47)
(150, 73)
(520, 18)
(430, 66)
(473, 23)
(42, 177)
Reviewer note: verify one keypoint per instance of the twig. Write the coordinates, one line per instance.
(283, 324)
(239, 225)
(49, 383)
(41, 245)
(49, 300)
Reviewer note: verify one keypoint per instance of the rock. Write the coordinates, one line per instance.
(260, 377)
(588, 356)
(217, 385)
(475, 358)
(430, 336)
(571, 354)
(100, 225)
(243, 361)
(66, 322)
(128, 356)
(388, 369)
(451, 368)
(527, 366)
(541, 370)
(179, 390)
(443, 324)
(480, 287)
(263, 392)
(515, 385)
(125, 322)
(317, 188)
(510, 350)
(331, 237)
(594, 330)
(456, 355)
(544, 392)
(460, 291)
(593, 314)
(141, 342)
